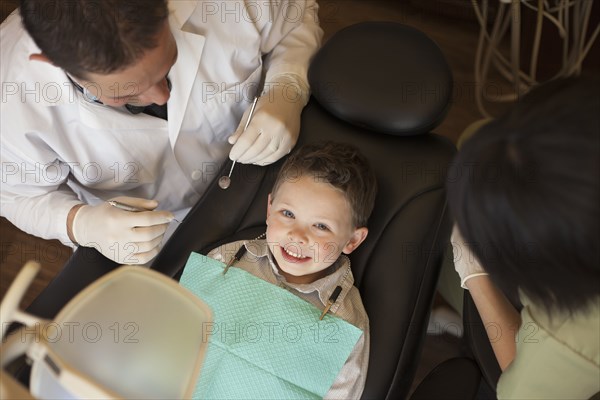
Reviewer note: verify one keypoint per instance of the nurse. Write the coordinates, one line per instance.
(142, 101)
(527, 209)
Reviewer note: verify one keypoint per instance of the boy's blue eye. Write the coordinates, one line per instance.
(287, 214)
(322, 227)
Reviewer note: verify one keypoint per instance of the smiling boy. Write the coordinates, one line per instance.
(309, 225)
(317, 214)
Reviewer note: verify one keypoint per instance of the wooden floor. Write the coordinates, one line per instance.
(448, 22)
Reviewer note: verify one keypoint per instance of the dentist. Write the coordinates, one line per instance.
(142, 101)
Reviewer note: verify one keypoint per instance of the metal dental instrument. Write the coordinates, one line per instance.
(225, 180)
(127, 207)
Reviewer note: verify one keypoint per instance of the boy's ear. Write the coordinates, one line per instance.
(359, 235)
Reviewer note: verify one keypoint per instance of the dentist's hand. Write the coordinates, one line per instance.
(123, 236)
(274, 128)
(465, 263)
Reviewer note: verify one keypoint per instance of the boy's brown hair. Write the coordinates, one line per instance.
(342, 166)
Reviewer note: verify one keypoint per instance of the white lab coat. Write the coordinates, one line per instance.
(59, 149)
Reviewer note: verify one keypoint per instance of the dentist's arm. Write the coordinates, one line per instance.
(289, 45)
(499, 317)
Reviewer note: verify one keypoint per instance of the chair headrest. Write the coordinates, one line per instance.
(384, 76)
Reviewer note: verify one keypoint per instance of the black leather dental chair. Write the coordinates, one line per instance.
(382, 87)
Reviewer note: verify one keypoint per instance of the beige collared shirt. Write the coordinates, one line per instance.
(558, 354)
(258, 261)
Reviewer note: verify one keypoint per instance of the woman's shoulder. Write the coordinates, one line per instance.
(550, 348)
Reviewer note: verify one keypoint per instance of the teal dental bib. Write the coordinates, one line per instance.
(264, 342)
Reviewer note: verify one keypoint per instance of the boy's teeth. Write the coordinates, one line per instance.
(291, 253)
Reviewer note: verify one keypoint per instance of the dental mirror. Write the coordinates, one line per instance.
(225, 181)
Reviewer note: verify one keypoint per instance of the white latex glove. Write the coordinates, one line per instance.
(274, 128)
(465, 263)
(123, 236)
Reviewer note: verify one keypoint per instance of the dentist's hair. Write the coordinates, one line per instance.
(340, 165)
(98, 36)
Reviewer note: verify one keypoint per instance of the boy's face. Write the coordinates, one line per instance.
(309, 224)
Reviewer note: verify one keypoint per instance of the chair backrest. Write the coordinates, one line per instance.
(381, 87)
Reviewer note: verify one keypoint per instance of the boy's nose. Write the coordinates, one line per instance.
(297, 235)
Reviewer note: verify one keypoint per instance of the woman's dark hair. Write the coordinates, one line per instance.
(342, 166)
(99, 36)
(525, 193)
